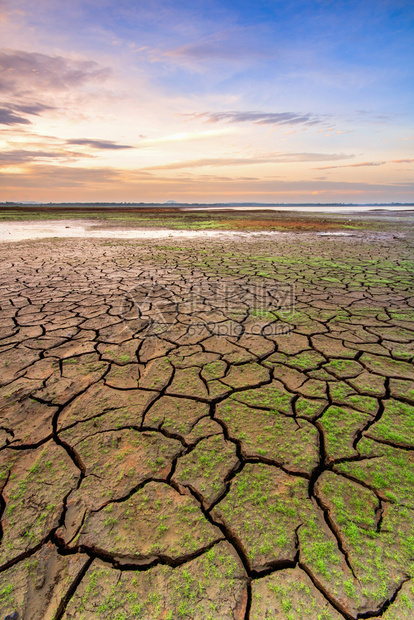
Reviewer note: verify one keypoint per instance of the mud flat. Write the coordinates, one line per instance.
(208, 427)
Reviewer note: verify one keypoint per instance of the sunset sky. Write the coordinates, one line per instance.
(207, 101)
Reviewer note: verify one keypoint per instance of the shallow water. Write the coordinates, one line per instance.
(305, 208)
(337, 234)
(23, 231)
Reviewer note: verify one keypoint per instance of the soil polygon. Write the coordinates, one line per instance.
(156, 521)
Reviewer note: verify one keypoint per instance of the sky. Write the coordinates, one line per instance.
(208, 101)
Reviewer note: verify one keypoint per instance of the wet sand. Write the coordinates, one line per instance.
(206, 424)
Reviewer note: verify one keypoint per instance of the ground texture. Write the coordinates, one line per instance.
(208, 429)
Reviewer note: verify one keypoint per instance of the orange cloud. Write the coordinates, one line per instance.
(73, 183)
(369, 163)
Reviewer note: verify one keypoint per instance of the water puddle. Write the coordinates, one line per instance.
(65, 229)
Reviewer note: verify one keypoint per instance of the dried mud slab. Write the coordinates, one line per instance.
(374, 538)
(204, 428)
(211, 586)
(302, 361)
(206, 469)
(263, 511)
(289, 594)
(291, 344)
(386, 469)
(34, 494)
(396, 426)
(404, 390)
(273, 397)
(271, 436)
(187, 382)
(37, 586)
(124, 377)
(331, 347)
(369, 384)
(75, 376)
(246, 375)
(229, 349)
(187, 356)
(154, 522)
(14, 362)
(214, 370)
(344, 368)
(156, 374)
(387, 367)
(343, 394)
(153, 347)
(43, 369)
(17, 391)
(403, 606)
(120, 354)
(101, 408)
(291, 378)
(310, 408)
(175, 415)
(71, 349)
(28, 422)
(341, 427)
(322, 559)
(115, 463)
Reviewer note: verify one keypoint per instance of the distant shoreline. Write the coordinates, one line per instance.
(177, 205)
(88, 207)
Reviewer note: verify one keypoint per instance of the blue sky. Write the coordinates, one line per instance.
(208, 101)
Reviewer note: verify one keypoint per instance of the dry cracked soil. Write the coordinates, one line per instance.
(211, 430)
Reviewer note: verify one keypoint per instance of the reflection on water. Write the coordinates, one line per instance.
(21, 231)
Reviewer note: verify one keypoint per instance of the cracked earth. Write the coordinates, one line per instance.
(207, 429)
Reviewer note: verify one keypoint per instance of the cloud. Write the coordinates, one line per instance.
(45, 176)
(22, 156)
(26, 77)
(12, 114)
(99, 144)
(183, 137)
(369, 164)
(24, 72)
(361, 165)
(271, 158)
(231, 45)
(33, 108)
(104, 183)
(7, 117)
(211, 49)
(259, 118)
